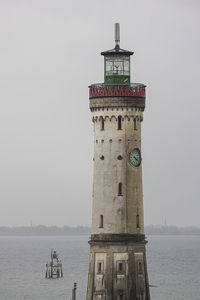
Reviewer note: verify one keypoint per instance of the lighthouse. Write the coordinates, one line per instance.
(117, 267)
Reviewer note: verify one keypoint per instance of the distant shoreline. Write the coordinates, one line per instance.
(42, 230)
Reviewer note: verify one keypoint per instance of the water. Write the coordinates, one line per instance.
(173, 267)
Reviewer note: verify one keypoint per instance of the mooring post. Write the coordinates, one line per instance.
(74, 291)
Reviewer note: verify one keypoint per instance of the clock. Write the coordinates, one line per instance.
(135, 157)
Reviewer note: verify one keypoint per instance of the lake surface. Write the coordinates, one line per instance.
(173, 267)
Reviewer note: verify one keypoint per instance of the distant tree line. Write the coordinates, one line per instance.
(42, 230)
(171, 230)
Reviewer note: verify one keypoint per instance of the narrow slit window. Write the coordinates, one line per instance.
(121, 267)
(119, 119)
(139, 267)
(101, 221)
(138, 221)
(135, 124)
(141, 295)
(99, 267)
(120, 189)
(102, 123)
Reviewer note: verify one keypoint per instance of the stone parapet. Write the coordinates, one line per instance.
(117, 238)
(113, 102)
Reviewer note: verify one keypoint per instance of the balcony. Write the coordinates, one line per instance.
(104, 90)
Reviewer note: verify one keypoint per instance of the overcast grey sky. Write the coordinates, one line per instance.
(49, 54)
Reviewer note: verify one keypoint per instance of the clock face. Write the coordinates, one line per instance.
(118, 67)
(135, 157)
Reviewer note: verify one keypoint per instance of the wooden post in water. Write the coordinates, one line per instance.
(74, 291)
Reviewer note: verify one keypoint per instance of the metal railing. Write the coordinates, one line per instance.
(102, 85)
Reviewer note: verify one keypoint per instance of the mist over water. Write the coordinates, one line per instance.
(172, 267)
(49, 54)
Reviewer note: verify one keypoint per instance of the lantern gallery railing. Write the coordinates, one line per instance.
(117, 90)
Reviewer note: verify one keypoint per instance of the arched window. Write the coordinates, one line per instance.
(102, 123)
(135, 124)
(101, 221)
(120, 189)
(119, 120)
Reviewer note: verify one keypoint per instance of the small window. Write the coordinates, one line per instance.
(141, 295)
(120, 189)
(119, 119)
(101, 221)
(135, 124)
(102, 123)
(139, 267)
(119, 157)
(99, 267)
(138, 221)
(120, 267)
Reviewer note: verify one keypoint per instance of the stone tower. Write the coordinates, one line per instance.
(118, 268)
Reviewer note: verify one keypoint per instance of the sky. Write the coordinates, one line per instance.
(49, 54)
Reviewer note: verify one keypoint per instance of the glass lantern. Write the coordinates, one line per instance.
(117, 69)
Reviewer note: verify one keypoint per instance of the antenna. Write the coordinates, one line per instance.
(117, 35)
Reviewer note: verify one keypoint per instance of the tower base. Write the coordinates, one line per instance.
(118, 268)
